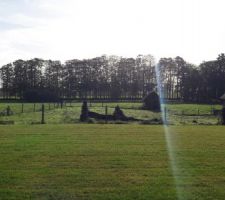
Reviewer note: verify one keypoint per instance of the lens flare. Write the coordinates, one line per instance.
(168, 137)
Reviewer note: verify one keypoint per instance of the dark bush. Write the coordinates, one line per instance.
(40, 95)
(152, 102)
(223, 116)
(84, 112)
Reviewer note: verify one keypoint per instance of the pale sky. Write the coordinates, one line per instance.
(68, 29)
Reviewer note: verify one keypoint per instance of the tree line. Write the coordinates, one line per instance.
(113, 77)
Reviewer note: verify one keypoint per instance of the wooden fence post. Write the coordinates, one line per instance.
(8, 111)
(22, 108)
(165, 120)
(106, 113)
(42, 114)
(182, 115)
(34, 109)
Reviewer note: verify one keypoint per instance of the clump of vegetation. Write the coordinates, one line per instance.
(84, 112)
(40, 95)
(154, 121)
(152, 102)
(118, 114)
(6, 112)
(223, 116)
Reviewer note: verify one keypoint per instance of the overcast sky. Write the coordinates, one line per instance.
(67, 29)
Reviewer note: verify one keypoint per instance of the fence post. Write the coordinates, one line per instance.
(42, 114)
(22, 108)
(34, 109)
(165, 120)
(8, 111)
(106, 113)
(182, 115)
(49, 106)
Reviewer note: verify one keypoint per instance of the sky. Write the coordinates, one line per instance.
(69, 29)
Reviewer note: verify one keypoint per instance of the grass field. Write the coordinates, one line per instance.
(176, 113)
(114, 162)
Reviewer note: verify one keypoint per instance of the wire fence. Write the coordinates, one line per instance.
(69, 112)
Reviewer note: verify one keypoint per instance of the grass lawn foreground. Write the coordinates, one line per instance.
(84, 161)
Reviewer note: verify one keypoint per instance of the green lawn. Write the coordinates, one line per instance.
(84, 161)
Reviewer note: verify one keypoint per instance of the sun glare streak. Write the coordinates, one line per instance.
(168, 137)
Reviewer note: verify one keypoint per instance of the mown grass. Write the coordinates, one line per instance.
(110, 162)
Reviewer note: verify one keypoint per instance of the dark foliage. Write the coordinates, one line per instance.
(40, 95)
(84, 112)
(110, 77)
(152, 102)
(223, 116)
(117, 115)
(100, 116)
(6, 112)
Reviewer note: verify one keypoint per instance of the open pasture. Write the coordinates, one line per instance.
(29, 113)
